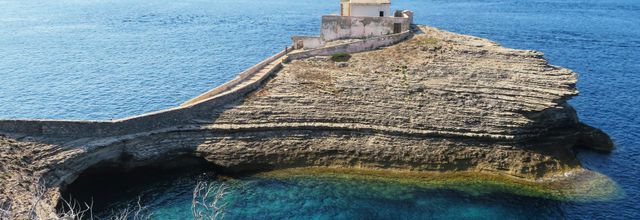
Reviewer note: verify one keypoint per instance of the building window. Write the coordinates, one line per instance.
(381, 13)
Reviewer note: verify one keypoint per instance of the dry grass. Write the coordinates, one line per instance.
(313, 75)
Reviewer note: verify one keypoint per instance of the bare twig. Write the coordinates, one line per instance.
(5, 209)
(39, 191)
(122, 215)
(72, 210)
(139, 210)
(205, 206)
(138, 213)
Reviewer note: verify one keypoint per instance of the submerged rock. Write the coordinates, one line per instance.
(438, 101)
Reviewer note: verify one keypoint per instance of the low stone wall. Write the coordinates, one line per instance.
(309, 42)
(136, 124)
(352, 47)
(199, 107)
(348, 27)
(203, 106)
(239, 79)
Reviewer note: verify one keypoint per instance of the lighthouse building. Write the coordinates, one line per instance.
(358, 19)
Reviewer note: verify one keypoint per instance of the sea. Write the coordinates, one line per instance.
(108, 59)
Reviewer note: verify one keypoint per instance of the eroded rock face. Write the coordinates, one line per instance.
(437, 82)
(436, 102)
(594, 139)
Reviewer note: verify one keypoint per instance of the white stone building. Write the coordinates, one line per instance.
(358, 19)
(366, 8)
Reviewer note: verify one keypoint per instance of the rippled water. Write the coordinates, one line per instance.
(100, 59)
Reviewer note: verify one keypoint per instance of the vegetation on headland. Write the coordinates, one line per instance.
(427, 40)
(340, 57)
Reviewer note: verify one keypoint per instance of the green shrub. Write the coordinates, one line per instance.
(429, 40)
(340, 57)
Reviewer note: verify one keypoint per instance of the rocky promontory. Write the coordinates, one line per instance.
(436, 102)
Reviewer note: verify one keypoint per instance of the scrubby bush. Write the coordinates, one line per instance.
(340, 57)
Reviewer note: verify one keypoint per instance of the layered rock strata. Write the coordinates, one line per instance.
(438, 101)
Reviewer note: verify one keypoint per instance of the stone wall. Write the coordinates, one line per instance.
(348, 27)
(242, 77)
(141, 123)
(307, 42)
(202, 106)
(352, 47)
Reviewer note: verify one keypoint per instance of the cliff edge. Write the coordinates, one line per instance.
(437, 101)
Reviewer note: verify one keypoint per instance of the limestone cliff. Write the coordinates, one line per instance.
(438, 101)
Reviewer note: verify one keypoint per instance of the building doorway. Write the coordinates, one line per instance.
(397, 28)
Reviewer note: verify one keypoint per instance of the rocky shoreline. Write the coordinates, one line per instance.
(437, 102)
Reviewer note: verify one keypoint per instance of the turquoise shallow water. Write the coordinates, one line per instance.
(102, 59)
(168, 196)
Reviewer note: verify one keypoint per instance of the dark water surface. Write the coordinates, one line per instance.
(100, 59)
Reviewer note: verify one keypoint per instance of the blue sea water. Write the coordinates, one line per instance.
(102, 59)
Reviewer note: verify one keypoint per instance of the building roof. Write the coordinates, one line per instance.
(370, 1)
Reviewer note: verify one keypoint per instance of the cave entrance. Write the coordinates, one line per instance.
(103, 184)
